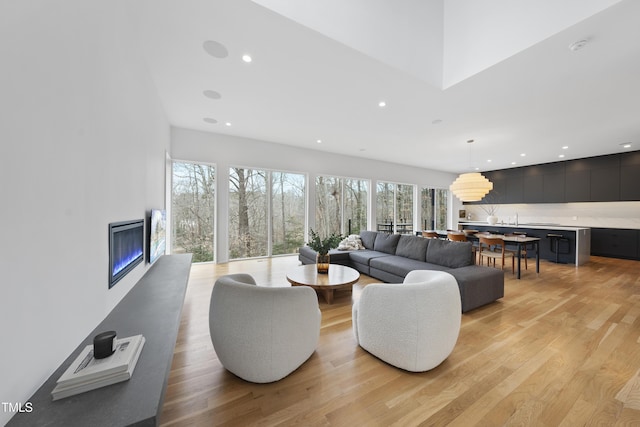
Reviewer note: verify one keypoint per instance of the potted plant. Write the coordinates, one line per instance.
(322, 247)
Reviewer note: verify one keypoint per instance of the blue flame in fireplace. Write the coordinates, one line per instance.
(125, 261)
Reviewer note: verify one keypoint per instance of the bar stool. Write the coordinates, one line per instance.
(554, 245)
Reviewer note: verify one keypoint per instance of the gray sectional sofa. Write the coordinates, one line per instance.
(390, 257)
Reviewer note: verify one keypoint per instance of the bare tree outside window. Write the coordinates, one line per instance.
(288, 212)
(328, 205)
(193, 210)
(384, 205)
(434, 202)
(442, 201)
(394, 207)
(404, 208)
(341, 205)
(356, 195)
(247, 213)
(427, 204)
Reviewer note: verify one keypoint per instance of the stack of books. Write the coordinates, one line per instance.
(88, 373)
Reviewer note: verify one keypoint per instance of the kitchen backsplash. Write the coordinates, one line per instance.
(594, 215)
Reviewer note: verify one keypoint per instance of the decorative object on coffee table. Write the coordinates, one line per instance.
(340, 277)
(322, 247)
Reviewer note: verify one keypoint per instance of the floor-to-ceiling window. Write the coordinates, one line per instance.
(433, 202)
(247, 213)
(394, 207)
(193, 210)
(266, 212)
(341, 205)
(288, 214)
(356, 196)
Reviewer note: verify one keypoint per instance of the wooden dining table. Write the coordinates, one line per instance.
(519, 241)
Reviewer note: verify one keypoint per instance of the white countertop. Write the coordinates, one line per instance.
(536, 225)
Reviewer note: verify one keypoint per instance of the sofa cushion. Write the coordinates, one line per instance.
(449, 254)
(413, 247)
(365, 256)
(400, 266)
(368, 238)
(386, 243)
(478, 285)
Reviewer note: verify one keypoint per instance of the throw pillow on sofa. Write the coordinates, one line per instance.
(449, 254)
(413, 247)
(351, 243)
(368, 238)
(386, 243)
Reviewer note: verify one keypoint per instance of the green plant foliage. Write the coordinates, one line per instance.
(322, 246)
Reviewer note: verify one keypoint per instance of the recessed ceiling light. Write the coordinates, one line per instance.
(523, 154)
(210, 120)
(513, 163)
(215, 49)
(382, 104)
(577, 45)
(489, 161)
(319, 141)
(477, 168)
(227, 124)
(212, 94)
(626, 145)
(561, 156)
(565, 147)
(247, 58)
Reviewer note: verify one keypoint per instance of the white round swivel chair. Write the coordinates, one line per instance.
(412, 325)
(262, 334)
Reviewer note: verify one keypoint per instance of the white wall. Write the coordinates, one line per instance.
(75, 97)
(226, 151)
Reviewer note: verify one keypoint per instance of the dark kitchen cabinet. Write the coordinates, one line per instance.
(497, 195)
(615, 243)
(577, 183)
(533, 184)
(605, 178)
(514, 186)
(553, 177)
(630, 176)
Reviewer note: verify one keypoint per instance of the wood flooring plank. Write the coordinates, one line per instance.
(561, 348)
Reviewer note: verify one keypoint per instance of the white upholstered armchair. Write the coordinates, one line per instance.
(413, 325)
(262, 334)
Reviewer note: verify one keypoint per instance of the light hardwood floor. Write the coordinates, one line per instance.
(562, 348)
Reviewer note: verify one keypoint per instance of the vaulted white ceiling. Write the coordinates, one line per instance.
(498, 72)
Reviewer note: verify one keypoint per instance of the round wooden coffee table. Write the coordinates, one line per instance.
(339, 277)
